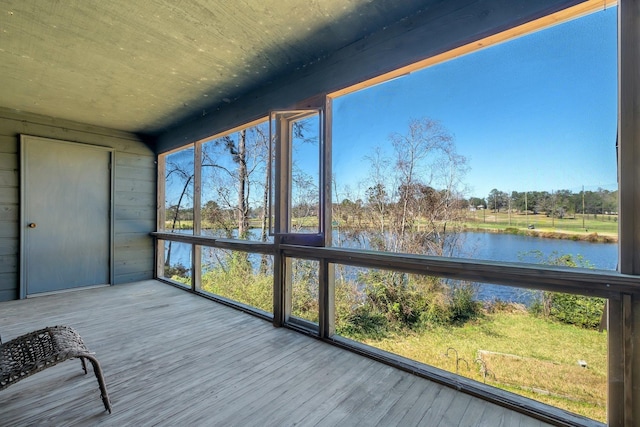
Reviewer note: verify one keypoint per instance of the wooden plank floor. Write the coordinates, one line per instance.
(171, 358)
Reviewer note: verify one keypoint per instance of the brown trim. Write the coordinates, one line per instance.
(510, 34)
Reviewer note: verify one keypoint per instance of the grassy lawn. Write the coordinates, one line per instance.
(600, 226)
(521, 353)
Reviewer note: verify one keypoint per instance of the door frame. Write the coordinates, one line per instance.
(24, 141)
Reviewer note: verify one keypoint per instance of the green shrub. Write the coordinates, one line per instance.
(393, 301)
(363, 323)
(579, 310)
(177, 272)
(397, 296)
(463, 304)
(537, 307)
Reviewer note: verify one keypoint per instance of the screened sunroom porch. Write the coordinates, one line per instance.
(139, 119)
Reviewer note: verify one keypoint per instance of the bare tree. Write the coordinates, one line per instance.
(178, 174)
(248, 152)
(262, 142)
(377, 195)
(417, 205)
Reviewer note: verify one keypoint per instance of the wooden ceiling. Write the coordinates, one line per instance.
(145, 66)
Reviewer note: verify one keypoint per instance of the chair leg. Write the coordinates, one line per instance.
(103, 388)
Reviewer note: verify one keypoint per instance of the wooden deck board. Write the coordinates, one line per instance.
(441, 404)
(415, 399)
(173, 358)
(384, 402)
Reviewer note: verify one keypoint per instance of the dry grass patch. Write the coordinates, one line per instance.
(572, 382)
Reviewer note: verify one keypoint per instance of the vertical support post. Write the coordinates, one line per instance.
(623, 385)
(282, 181)
(624, 358)
(630, 359)
(629, 135)
(160, 214)
(278, 280)
(616, 363)
(326, 274)
(196, 262)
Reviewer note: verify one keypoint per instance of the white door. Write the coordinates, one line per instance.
(66, 215)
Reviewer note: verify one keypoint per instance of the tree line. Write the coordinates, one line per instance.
(558, 203)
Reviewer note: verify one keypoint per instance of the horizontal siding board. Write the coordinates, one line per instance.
(9, 263)
(9, 246)
(8, 295)
(132, 277)
(128, 266)
(132, 198)
(8, 161)
(135, 226)
(148, 187)
(9, 212)
(9, 281)
(9, 230)
(138, 174)
(135, 160)
(8, 143)
(9, 195)
(65, 125)
(133, 213)
(9, 178)
(45, 131)
(132, 239)
(134, 253)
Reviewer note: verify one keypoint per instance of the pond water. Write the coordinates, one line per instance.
(510, 247)
(515, 248)
(504, 247)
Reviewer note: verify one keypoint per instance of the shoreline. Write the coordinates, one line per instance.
(543, 234)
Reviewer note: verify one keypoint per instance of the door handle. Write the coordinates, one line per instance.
(32, 225)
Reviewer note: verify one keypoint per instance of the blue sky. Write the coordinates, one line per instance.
(535, 113)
